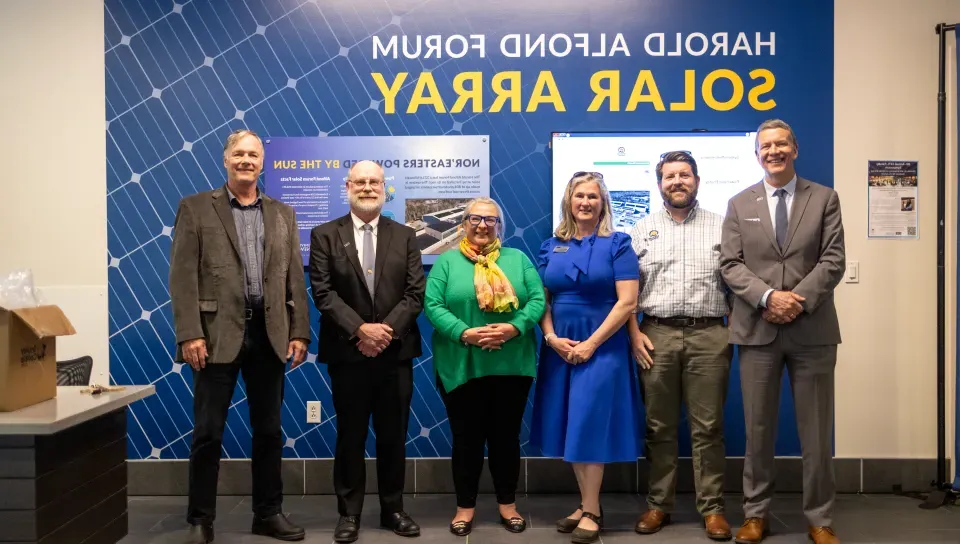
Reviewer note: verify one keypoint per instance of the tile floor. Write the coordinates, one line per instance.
(859, 519)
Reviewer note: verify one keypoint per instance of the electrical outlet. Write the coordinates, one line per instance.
(313, 411)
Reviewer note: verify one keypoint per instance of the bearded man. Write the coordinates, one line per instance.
(368, 283)
(682, 344)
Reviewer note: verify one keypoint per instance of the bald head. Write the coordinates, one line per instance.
(365, 188)
(365, 170)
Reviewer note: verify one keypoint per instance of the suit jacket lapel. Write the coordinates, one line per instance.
(763, 212)
(800, 199)
(268, 206)
(349, 246)
(221, 202)
(384, 232)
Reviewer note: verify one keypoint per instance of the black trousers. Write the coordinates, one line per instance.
(487, 410)
(213, 388)
(380, 387)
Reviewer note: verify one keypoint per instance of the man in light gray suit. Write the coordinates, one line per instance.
(782, 255)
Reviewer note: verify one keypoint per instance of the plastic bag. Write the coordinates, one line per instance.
(17, 290)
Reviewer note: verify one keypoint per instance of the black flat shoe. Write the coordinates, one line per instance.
(348, 529)
(586, 536)
(514, 525)
(279, 527)
(461, 528)
(567, 525)
(400, 523)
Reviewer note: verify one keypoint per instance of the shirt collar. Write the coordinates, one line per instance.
(358, 224)
(234, 201)
(690, 216)
(790, 187)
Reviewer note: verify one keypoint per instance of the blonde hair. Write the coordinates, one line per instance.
(568, 225)
(485, 200)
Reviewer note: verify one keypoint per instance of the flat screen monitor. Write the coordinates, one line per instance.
(726, 164)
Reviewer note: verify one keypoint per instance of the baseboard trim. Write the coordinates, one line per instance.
(159, 477)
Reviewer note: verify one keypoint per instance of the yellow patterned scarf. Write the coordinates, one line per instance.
(494, 291)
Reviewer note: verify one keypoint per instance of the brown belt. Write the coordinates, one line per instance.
(682, 321)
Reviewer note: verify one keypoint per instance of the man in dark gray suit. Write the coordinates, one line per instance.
(239, 302)
(782, 255)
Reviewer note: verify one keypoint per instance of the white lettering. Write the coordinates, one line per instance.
(719, 43)
(515, 52)
(463, 46)
(389, 50)
(619, 44)
(553, 45)
(742, 43)
(703, 44)
(433, 45)
(651, 37)
(540, 42)
(771, 44)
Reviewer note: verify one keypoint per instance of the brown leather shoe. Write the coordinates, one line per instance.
(652, 521)
(752, 531)
(823, 535)
(717, 527)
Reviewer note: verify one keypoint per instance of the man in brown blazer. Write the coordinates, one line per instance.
(239, 302)
(782, 255)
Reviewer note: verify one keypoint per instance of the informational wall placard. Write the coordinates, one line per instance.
(892, 199)
(428, 180)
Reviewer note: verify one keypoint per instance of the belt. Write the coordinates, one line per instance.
(252, 313)
(683, 321)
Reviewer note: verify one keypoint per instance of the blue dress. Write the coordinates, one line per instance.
(590, 412)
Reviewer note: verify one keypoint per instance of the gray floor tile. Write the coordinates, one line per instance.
(879, 519)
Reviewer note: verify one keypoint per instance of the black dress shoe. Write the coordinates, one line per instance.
(348, 529)
(199, 534)
(401, 523)
(278, 527)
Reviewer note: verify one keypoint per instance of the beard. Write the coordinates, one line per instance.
(679, 199)
(367, 206)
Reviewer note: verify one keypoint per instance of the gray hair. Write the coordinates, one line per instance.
(235, 136)
(485, 200)
(775, 123)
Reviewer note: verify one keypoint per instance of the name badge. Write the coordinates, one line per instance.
(561, 249)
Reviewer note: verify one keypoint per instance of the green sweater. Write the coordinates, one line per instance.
(451, 306)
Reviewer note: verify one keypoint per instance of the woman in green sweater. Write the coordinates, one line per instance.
(484, 302)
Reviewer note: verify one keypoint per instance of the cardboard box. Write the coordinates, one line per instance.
(28, 354)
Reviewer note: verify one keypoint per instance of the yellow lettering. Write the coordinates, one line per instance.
(426, 93)
(336, 163)
(389, 92)
(545, 80)
(513, 93)
(689, 88)
(645, 79)
(707, 90)
(754, 95)
(611, 91)
(474, 94)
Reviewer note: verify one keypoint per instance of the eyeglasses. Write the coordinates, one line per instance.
(597, 175)
(361, 183)
(488, 220)
(687, 153)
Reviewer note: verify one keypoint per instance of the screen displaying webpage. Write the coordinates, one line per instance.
(726, 164)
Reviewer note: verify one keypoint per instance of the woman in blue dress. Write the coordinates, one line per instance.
(586, 405)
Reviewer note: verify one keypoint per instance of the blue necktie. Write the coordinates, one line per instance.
(781, 226)
(369, 258)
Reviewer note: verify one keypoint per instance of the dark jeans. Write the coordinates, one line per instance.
(213, 388)
(487, 410)
(381, 387)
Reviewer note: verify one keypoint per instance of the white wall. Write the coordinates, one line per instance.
(52, 113)
(886, 73)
